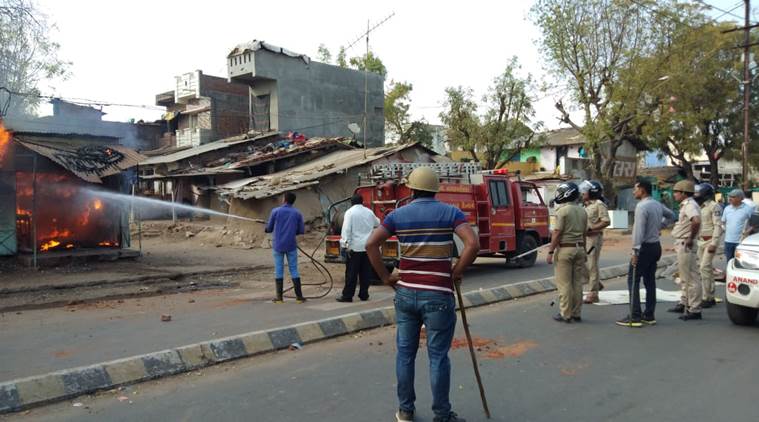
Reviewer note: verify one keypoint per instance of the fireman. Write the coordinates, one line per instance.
(598, 219)
(686, 232)
(709, 238)
(568, 244)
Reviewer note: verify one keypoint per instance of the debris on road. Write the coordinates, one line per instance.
(295, 346)
(77, 404)
(165, 317)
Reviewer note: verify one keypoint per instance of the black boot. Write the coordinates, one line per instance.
(280, 288)
(298, 292)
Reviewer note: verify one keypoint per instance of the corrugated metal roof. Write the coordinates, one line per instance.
(87, 160)
(564, 136)
(307, 174)
(202, 149)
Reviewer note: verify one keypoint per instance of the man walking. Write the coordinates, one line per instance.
(358, 223)
(650, 217)
(735, 218)
(568, 238)
(286, 222)
(598, 219)
(424, 287)
(685, 232)
(709, 238)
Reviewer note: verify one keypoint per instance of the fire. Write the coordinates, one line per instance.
(5, 140)
(97, 204)
(49, 245)
(70, 246)
(108, 243)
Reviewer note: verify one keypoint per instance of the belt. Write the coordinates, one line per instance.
(572, 245)
(706, 238)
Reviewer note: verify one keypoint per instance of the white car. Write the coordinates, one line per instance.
(742, 282)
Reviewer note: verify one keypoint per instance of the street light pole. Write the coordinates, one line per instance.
(746, 92)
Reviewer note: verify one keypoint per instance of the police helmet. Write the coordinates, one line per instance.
(594, 189)
(704, 192)
(566, 192)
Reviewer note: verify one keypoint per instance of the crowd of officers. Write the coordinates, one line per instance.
(577, 240)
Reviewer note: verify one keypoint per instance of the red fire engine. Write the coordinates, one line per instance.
(507, 214)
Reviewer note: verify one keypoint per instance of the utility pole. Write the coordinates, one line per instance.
(746, 91)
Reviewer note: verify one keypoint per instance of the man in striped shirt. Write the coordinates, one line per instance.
(424, 287)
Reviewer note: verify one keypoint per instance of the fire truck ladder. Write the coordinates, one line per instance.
(483, 224)
(457, 171)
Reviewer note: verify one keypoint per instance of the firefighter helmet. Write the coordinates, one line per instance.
(424, 179)
(703, 192)
(594, 189)
(686, 186)
(566, 192)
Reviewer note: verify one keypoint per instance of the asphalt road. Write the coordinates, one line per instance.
(536, 370)
(39, 341)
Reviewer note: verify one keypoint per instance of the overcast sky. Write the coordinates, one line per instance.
(127, 51)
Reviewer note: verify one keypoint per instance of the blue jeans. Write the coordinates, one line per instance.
(730, 250)
(292, 264)
(437, 311)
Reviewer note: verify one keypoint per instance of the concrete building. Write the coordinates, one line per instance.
(290, 92)
(439, 139)
(70, 118)
(203, 108)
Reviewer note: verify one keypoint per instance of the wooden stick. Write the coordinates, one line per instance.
(471, 350)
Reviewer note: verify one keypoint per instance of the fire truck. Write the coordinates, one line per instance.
(507, 214)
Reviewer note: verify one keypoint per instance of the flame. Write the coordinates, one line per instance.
(70, 246)
(97, 204)
(5, 140)
(48, 245)
(108, 243)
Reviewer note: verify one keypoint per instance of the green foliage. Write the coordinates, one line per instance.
(323, 54)
(28, 55)
(397, 118)
(506, 126)
(368, 62)
(341, 59)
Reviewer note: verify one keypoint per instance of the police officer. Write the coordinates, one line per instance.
(709, 238)
(598, 219)
(686, 232)
(568, 246)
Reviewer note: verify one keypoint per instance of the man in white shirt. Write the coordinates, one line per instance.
(358, 223)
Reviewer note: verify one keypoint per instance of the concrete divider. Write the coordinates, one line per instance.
(33, 391)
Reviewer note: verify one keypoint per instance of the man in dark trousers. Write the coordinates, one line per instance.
(358, 223)
(286, 222)
(650, 217)
(424, 287)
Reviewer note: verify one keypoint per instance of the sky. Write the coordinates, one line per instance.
(127, 52)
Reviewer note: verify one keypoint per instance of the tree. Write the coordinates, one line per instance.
(27, 55)
(697, 106)
(398, 120)
(504, 129)
(341, 59)
(323, 54)
(368, 62)
(586, 44)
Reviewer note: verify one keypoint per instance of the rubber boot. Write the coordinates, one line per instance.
(280, 287)
(298, 292)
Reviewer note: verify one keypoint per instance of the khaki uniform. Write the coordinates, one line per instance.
(687, 260)
(597, 212)
(569, 260)
(710, 235)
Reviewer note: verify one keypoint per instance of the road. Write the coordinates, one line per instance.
(45, 340)
(536, 370)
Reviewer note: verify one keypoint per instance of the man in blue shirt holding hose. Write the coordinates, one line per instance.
(286, 222)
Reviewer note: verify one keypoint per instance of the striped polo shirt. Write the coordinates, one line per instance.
(425, 232)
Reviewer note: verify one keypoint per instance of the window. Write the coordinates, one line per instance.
(498, 195)
(530, 195)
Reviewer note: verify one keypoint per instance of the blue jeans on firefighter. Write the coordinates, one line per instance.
(436, 310)
(292, 263)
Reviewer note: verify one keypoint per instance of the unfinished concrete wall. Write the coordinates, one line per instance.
(314, 98)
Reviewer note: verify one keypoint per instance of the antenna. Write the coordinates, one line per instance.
(369, 29)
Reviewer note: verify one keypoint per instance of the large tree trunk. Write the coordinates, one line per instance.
(713, 169)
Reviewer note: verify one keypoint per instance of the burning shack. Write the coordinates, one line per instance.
(48, 193)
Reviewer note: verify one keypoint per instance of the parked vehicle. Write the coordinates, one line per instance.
(508, 214)
(742, 282)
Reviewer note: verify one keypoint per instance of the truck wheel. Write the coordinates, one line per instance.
(741, 315)
(528, 243)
